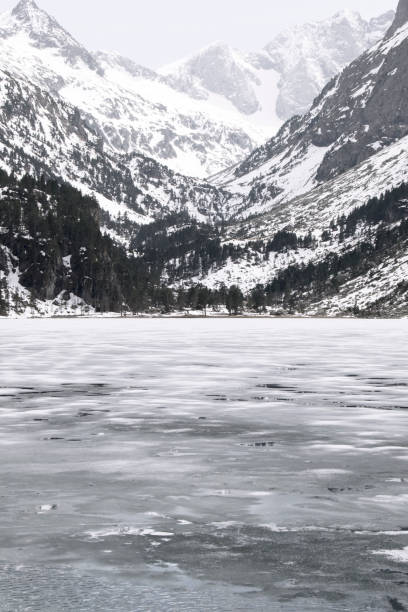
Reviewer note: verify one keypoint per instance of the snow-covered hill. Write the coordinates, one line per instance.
(134, 109)
(283, 79)
(313, 212)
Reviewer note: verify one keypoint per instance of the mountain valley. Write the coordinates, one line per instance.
(311, 222)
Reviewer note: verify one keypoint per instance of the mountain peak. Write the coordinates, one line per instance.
(217, 48)
(44, 32)
(348, 15)
(28, 11)
(27, 15)
(25, 5)
(401, 17)
(217, 45)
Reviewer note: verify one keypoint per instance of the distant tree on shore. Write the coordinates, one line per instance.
(4, 299)
(235, 300)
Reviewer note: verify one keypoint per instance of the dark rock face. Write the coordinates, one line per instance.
(400, 18)
(376, 115)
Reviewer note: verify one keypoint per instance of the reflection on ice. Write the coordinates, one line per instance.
(189, 465)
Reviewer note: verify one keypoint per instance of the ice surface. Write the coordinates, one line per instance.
(395, 555)
(203, 465)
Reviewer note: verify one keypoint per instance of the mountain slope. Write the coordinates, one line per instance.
(341, 249)
(314, 213)
(42, 134)
(401, 18)
(26, 19)
(133, 112)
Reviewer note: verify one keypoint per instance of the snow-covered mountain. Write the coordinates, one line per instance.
(209, 114)
(42, 134)
(283, 79)
(311, 203)
(308, 56)
(231, 80)
(133, 108)
(360, 112)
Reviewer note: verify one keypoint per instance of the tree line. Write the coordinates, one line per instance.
(52, 233)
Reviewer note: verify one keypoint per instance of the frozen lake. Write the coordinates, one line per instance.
(203, 465)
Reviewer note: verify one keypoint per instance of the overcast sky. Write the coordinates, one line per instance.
(156, 32)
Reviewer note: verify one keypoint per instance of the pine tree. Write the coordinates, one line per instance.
(4, 299)
(258, 298)
(235, 300)
(18, 304)
(203, 299)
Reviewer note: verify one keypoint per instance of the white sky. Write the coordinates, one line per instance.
(157, 32)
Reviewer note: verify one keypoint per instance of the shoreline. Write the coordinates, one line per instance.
(110, 317)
